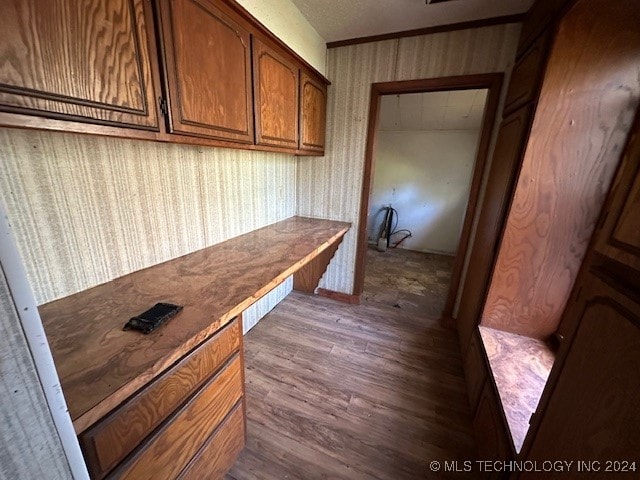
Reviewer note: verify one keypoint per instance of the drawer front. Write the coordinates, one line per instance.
(219, 453)
(117, 435)
(165, 454)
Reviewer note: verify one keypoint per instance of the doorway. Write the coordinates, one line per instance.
(426, 150)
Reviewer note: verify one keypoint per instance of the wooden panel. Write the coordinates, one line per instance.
(276, 97)
(306, 279)
(475, 370)
(219, 453)
(620, 235)
(503, 171)
(542, 15)
(526, 77)
(313, 113)
(489, 424)
(88, 61)
(208, 61)
(593, 411)
(112, 439)
(214, 285)
(167, 452)
(586, 106)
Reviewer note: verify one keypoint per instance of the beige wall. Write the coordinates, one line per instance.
(330, 186)
(286, 22)
(29, 445)
(87, 209)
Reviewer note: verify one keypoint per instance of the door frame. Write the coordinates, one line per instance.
(490, 81)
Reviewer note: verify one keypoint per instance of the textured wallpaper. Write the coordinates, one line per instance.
(330, 186)
(29, 444)
(87, 209)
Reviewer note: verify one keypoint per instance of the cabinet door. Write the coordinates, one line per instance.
(208, 68)
(490, 427)
(313, 113)
(83, 60)
(592, 412)
(504, 167)
(276, 102)
(620, 235)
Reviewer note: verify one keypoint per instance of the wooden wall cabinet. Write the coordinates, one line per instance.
(313, 113)
(81, 66)
(276, 86)
(80, 60)
(208, 70)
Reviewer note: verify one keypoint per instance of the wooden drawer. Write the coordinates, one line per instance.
(165, 454)
(219, 453)
(527, 75)
(113, 438)
(475, 370)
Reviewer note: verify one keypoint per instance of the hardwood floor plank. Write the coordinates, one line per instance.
(351, 392)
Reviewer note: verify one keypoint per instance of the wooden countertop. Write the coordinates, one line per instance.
(100, 365)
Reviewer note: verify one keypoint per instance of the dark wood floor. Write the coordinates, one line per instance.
(351, 392)
(415, 282)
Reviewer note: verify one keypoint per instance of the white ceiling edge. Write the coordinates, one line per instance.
(338, 20)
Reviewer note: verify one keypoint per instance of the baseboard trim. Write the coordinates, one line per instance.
(339, 296)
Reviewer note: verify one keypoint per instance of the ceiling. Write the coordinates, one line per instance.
(344, 19)
(449, 110)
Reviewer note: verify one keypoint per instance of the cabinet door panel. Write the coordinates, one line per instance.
(620, 236)
(276, 102)
(79, 59)
(592, 412)
(208, 62)
(490, 427)
(527, 75)
(504, 166)
(313, 111)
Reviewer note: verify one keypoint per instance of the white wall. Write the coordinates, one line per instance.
(426, 177)
(287, 23)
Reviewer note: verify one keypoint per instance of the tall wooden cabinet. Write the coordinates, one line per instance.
(568, 112)
(593, 399)
(208, 68)
(80, 60)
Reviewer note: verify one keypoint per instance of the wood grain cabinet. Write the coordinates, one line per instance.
(593, 411)
(593, 399)
(276, 80)
(490, 427)
(213, 76)
(313, 113)
(80, 60)
(174, 420)
(208, 70)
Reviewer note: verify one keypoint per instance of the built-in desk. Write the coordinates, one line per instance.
(101, 366)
